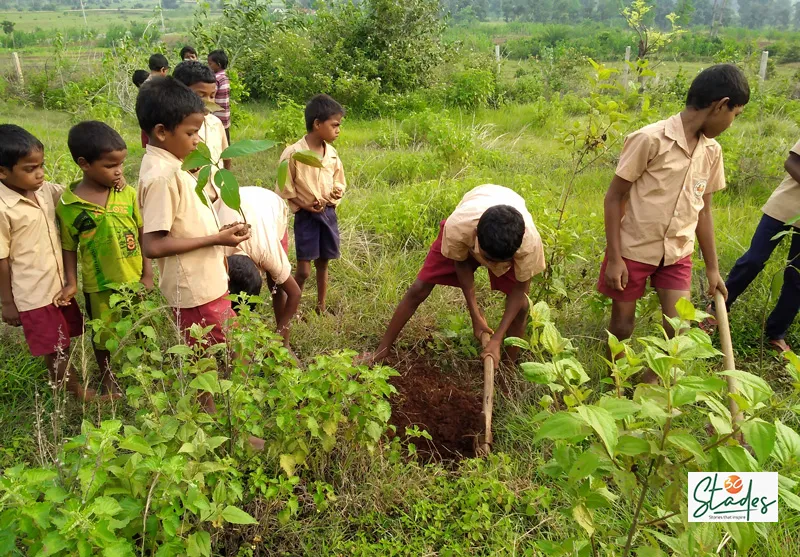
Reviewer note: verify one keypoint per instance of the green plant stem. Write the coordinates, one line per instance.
(660, 519)
(639, 505)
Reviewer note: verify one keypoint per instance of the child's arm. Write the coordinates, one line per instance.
(293, 292)
(156, 245)
(466, 278)
(339, 182)
(792, 166)
(147, 265)
(614, 209)
(514, 304)
(10, 312)
(705, 237)
(64, 297)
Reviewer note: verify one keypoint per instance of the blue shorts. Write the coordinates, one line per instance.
(316, 235)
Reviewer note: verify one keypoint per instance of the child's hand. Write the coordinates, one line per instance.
(120, 185)
(64, 297)
(337, 192)
(11, 314)
(147, 281)
(316, 207)
(616, 274)
(480, 328)
(492, 350)
(233, 236)
(715, 283)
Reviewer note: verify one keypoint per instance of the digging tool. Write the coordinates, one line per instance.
(724, 328)
(483, 442)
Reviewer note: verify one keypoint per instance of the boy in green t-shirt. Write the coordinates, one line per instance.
(99, 217)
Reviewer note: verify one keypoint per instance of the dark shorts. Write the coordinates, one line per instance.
(316, 235)
(438, 269)
(48, 329)
(216, 312)
(677, 276)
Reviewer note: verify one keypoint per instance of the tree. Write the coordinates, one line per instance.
(685, 12)
(169, 4)
(8, 29)
(650, 40)
(704, 12)
(796, 18)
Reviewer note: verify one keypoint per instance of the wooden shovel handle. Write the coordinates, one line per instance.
(488, 391)
(723, 325)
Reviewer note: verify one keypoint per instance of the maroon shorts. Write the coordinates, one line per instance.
(48, 329)
(216, 313)
(438, 269)
(677, 276)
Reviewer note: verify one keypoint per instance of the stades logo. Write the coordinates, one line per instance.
(733, 497)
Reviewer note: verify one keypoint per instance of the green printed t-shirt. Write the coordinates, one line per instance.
(106, 237)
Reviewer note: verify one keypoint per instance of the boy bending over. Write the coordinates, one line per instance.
(31, 267)
(99, 218)
(661, 197)
(490, 227)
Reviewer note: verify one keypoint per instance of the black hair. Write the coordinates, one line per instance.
(321, 107)
(500, 232)
(187, 50)
(16, 143)
(219, 57)
(158, 62)
(243, 276)
(139, 77)
(190, 72)
(166, 101)
(716, 83)
(92, 139)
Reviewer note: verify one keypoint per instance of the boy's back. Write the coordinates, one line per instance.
(169, 202)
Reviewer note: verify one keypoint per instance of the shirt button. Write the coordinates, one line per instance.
(675, 214)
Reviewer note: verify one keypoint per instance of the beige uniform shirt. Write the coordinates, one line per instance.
(669, 183)
(212, 133)
(308, 184)
(268, 217)
(169, 203)
(460, 236)
(784, 203)
(29, 239)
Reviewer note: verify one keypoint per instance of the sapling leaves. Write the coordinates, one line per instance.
(229, 189)
(308, 157)
(235, 515)
(761, 436)
(247, 147)
(283, 174)
(198, 158)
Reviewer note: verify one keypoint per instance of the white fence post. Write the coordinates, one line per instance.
(626, 68)
(762, 72)
(18, 68)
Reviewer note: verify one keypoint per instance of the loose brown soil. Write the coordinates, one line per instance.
(446, 405)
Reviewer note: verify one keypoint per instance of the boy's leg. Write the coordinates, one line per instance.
(97, 303)
(788, 303)
(302, 273)
(417, 293)
(517, 329)
(62, 374)
(749, 265)
(278, 299)
(321, 266)
(668, 299)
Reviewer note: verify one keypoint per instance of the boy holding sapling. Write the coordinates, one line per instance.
(490, 227)
(660, 198)
(313, 192)
(100, 222)
(31, 266)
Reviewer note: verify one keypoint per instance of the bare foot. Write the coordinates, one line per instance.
(780, 345)
(256, 442)
(649, 378)
(206, 401)
(370, 359)
(82, 394)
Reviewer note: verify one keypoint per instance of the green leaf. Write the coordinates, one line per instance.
(738, 459)
(374, 430)
(789, 499)
(744, 534)
(137, 444)
(649, 551)
(283, 174)
(52, 543)
(619, 408)
(198, 158)
(787, 444)
(228, 188)
(247, 147)
(583, 516)
(688, 443)
(214, 442)
(761, 436)
(288, 463)
(537, 372)
(518, 342)
(603, 423)
(776, 285)
(207, 382)
(552, 340)
(199, 544)
(235, 515)
(309, 158)
(751, 386)
(202, 180)
(632, 446)
(562, 425)
(584, 466)
(685, 309)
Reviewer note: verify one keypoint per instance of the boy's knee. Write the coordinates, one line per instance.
(321, 264)
(622, 327)
(301, 274)
(418, 292)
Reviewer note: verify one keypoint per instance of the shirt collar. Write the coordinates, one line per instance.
(11, 198)
(674, 130)
(330, 152)
(164, 155)
(69, 197)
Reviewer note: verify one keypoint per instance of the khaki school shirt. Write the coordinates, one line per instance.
(784, 203)
(212, 133)
(169, 203)
(267, 215)
(307, 184)
(460, 235)
(30, 240)
(669, 183)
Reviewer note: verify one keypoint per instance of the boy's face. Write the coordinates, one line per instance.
(26, 175)
(213, 65)
(107, 170)
(206, 91)
(720, 118)
(189, 56)
(328, 130)
(183, 139)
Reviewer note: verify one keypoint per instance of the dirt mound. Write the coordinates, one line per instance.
(446, 405)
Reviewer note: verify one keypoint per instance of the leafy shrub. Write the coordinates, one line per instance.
(287, 123)
(454, 142)
(471, 88)
(525, 89)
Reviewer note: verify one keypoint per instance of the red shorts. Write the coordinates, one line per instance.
(285, 242)
(438, 269)
(215, 313)
(48, 329)
(677, 276)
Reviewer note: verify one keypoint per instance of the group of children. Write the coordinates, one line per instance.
(658, 202)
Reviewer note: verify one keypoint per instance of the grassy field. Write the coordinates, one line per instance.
(399, 189)
(97, 19)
